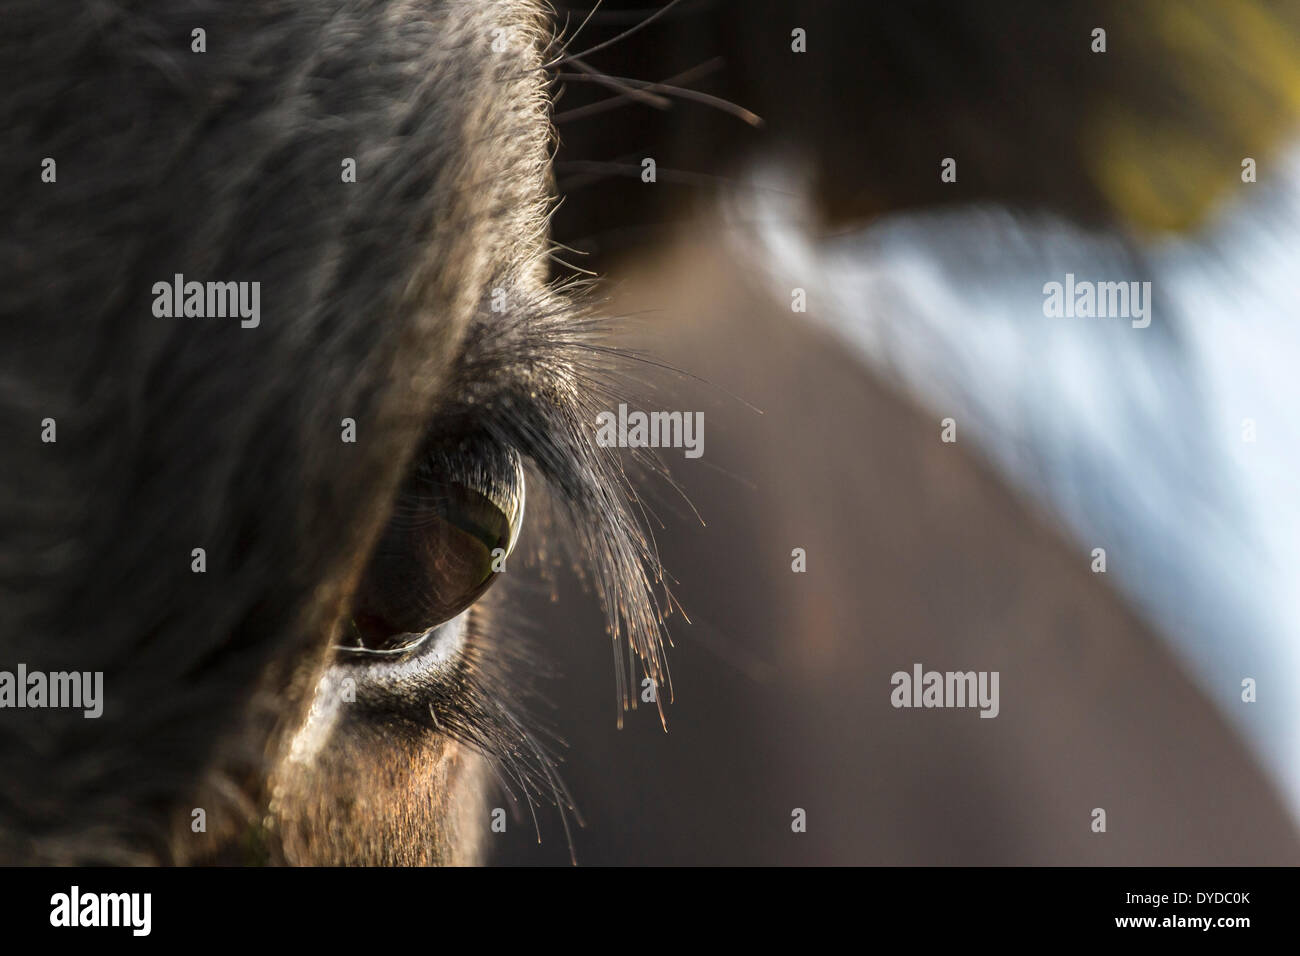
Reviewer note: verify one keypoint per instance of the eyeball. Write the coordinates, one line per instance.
(453, 524)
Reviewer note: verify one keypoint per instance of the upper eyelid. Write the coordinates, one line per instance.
(477, 461)
(529, 378)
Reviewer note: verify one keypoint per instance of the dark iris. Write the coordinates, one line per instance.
(437, 555)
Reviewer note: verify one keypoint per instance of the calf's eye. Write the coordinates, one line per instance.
(453, 524)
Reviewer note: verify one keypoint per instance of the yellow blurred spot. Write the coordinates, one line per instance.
(1235, 75)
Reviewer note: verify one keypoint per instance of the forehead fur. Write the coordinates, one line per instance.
(180, 433)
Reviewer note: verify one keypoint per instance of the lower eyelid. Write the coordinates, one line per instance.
(404, 682)
(436, 657)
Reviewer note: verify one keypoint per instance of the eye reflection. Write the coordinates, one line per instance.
(452, 527)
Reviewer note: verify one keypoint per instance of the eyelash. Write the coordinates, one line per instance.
(526, 379)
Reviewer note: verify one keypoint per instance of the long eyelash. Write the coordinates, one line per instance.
(492, 708)
(490, 703)
(535, 376)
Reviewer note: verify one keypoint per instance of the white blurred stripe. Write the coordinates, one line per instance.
(1132, 437)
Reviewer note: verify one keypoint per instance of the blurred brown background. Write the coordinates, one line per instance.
(782, 682)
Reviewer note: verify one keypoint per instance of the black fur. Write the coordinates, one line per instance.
(182, 433)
